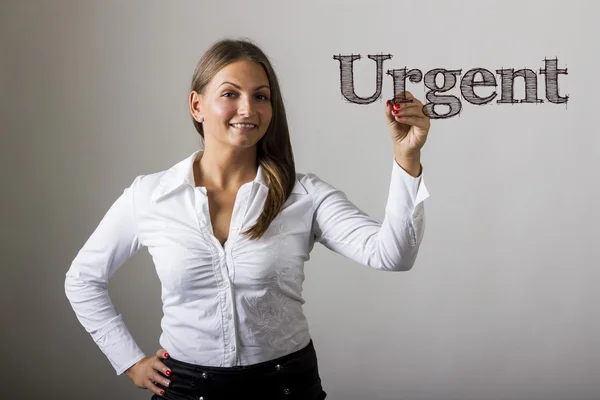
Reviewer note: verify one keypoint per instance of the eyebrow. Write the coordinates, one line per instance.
(240, 88)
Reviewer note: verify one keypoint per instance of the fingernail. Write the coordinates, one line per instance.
(167, 382)
(162, 392)
(166, 355)
(168, 372)
(397, 105)
(395, 111)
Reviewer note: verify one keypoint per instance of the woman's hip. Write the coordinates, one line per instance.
(294, 376)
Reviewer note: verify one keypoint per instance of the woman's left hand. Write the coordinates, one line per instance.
(408, 124)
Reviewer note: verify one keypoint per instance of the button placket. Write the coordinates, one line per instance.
(229, 329)
(219, 268)
(233, 236)
(200, 209)
(225, 301)
(228, 308)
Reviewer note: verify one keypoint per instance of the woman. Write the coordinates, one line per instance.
(229, 229)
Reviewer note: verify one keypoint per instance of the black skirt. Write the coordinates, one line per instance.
(295, 376)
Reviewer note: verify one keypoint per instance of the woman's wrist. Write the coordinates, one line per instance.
(410, 162)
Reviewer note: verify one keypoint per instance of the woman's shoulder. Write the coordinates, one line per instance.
(145, 186)
(312, 183)
(157, 185)
(148, 181)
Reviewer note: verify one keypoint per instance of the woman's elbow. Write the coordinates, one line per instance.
(404, 263)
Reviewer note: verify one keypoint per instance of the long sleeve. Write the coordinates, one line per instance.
(389, 245)
(86, 284)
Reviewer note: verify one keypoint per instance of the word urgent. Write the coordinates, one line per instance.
(472, 78)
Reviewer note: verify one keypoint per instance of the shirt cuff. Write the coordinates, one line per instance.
(406, 192)
(120, 348)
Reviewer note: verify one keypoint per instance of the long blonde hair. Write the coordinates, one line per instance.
(274, 149)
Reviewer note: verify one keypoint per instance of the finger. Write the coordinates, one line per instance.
(159, 380)
(408, 112)
(415, 105)
(403, 109)
(420, 109)
(388, 112)
(162, 353)
(160, 367)
(414, 121)
(399, 103)
(152, 386)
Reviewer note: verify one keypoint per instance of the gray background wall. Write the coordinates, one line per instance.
(502, 303)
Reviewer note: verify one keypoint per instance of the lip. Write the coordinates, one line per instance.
(244, 128)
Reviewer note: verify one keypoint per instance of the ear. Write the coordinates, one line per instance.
(195, 103)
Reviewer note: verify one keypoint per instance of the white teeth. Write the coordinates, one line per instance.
(243, 125)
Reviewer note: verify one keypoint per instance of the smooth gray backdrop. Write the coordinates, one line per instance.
(502, 302)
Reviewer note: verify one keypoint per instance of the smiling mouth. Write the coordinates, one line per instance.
(244, 126)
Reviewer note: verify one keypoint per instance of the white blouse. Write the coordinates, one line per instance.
(240, 303)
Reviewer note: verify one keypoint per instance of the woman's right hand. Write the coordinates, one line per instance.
(147, 372)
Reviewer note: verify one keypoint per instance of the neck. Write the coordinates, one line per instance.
(225, 169)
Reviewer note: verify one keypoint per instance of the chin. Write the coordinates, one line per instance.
(245, 141)
(242, 143)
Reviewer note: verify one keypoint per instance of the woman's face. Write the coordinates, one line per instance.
(236, 105)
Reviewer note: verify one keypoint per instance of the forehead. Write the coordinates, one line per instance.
(243, 73)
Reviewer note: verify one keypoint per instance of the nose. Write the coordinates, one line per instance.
(246, 107)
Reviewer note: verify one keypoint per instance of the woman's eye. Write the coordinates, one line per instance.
(233, 94)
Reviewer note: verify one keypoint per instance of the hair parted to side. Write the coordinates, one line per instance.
(274, 150)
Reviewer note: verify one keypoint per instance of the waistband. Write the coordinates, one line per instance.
(305, 356)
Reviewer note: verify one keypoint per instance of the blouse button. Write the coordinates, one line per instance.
(278, 367)
(204, 375)
(287, 391)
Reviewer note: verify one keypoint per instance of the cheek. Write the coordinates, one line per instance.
(222, 111)
(266, 114)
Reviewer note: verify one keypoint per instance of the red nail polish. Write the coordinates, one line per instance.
(162, 392)
(168, 372)
(395, 111)
(397, 106)
(166, 355)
